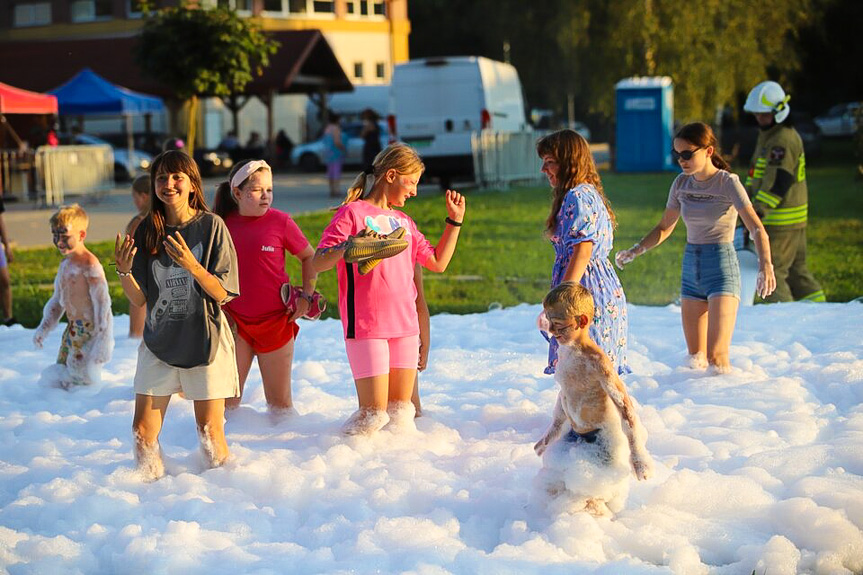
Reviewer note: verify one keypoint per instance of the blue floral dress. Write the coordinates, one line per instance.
(583, 217)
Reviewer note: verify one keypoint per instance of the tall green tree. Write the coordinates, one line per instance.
(201, 52)
(713, 50)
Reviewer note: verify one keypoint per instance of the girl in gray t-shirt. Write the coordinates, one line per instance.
(181, 264)
(709, 197)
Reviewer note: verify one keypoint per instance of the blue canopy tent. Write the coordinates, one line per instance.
(89, 94)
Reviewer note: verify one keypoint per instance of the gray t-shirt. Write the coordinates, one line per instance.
(182, 325)
(709, 208)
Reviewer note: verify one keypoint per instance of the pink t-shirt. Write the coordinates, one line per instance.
(261, 243)
(382, 303)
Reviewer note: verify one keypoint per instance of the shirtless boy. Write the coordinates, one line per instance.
(590, 463)
(80, 289)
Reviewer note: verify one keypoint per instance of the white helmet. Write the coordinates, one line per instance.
(768, 97)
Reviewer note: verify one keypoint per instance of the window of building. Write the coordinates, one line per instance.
(38, 14)
(380, 71)
(300, 6)
(366, 7)
(89, 10)
(238, 5)
(358, 70)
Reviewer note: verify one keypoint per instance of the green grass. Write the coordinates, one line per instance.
(503, 257)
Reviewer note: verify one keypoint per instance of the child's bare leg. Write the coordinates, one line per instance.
(415, 396)
(245, 355)
(210, 417)
(5, 291)
(399, 406)
(693, 313)
(372, 395)
(137, 318)
(146, 425)
(276, 374)
(722, 316)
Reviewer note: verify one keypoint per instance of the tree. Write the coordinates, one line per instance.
(201, 52)
(714, 50)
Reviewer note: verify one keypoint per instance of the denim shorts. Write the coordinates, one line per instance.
(710, 270)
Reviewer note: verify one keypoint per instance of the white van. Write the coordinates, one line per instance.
(438, 102)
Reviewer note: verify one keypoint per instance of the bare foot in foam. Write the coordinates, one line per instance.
(365, 421)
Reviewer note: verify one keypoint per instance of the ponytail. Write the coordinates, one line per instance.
(224, 204)
(397, 156)
(357, 189)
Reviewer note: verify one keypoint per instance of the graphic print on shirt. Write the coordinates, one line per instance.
(175, 301)
(384, 224)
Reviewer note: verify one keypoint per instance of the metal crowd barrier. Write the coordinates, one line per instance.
(73, 170)
(16, 174)
(501, 158)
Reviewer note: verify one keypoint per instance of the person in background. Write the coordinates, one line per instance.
(425, 336)
(371, 135)
(229, 142)
(581, 226)
(141, 201)
(776, 184)
(5, 281)
(708, 197)
(284, 145)
(334, 153)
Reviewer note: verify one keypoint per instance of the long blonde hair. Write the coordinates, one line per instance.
(575, 166)
(397, 156)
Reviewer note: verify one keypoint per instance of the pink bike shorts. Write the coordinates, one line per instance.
(370, 357)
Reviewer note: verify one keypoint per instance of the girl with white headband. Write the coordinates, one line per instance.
(262, 234)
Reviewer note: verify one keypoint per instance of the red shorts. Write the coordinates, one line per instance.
(268, 333)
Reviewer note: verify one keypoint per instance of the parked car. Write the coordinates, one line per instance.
(840, 120)
(213, 162)
(310, 156)
(125, 167)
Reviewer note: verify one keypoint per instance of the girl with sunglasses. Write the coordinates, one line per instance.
(709, 198)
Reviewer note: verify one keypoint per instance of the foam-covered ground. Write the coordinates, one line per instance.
(758, 469)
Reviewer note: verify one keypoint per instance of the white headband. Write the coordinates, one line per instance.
(247, 170)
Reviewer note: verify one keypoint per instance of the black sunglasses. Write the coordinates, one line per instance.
(684, 155)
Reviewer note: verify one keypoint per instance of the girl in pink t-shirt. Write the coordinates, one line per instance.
(378, 309)
(262, 235)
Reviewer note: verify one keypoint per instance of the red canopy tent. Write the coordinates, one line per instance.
(17, 101)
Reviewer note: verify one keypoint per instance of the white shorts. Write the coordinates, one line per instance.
(217, 380)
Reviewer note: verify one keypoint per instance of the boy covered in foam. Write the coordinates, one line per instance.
(81, 291)
(588, 468)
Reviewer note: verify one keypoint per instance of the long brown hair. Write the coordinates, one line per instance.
(397, 156)
(701, 135)
(170, 162)
(575, 166)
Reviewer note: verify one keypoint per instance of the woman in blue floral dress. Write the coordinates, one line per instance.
(581, 228)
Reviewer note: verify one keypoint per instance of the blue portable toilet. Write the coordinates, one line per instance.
(645, 117)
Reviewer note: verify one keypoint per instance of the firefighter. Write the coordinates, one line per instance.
(776, 184)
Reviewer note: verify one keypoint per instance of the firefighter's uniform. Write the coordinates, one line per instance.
(777, 187)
